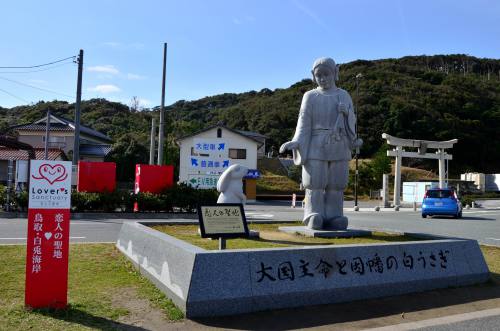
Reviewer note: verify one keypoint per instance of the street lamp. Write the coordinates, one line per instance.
(358, 77)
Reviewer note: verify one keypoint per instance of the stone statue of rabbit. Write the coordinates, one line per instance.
(230, 185)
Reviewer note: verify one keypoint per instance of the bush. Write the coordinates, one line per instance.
(126, 201)
(3, 194)
(187, 198)
(21, 201)
(180, 197)
(149, 201)
(85, 201)
(111, 201)
(295, 173)
(467, 199)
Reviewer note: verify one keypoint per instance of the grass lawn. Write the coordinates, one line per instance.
(492, 257)
(101, 283)
(271, 237)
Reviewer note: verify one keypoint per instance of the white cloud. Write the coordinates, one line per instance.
(145, 102)
(136, 45)
(311, 14)
(243, 20)
(111, 43)
(105, 89)
(123, 46)
(135, 77)
(108, 69)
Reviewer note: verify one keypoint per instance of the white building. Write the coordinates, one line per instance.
(204, 155)
(415, 191)
(484, 182)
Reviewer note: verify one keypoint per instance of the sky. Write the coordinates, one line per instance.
(219, 46)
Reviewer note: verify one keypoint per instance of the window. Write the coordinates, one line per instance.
(236, 153)
(219, 133)
(193, 153)
(438, 193)
(55, 139)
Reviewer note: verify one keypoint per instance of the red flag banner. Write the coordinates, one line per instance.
(48, 234)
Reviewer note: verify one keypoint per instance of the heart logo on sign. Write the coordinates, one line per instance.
(48, 235)
(52, 174)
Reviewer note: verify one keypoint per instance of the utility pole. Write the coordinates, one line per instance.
(76, 145)
(162, 115)
(47, 134)
(152, 143)
(358, 76)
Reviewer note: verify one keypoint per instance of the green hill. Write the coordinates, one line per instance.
(424, 97)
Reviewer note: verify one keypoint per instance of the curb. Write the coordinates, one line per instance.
(94, 216)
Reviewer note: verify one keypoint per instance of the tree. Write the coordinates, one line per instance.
(127, 152)
(135, 104)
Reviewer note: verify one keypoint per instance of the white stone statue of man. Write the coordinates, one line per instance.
(324, 139)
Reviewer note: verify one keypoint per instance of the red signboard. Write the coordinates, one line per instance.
(47, 258)
(153, 178)
(96, 176)
(48, 234)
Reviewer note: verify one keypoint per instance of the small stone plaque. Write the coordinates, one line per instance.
(222, 220)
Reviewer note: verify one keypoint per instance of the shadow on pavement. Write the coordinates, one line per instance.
(77, 316)
(465, 218)
(317, 316)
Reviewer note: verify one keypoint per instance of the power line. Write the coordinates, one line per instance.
(39, 70)
(40, 65)
(36, 87)
(14, 96)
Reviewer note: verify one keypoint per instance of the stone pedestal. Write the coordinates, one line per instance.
(214, 283)
(305, 231)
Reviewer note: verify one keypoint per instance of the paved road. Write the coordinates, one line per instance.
(480, 224)
(483, 320)
(487, 323)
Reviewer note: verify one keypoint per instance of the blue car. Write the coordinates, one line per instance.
(441, 202)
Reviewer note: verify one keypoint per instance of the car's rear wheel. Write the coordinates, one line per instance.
(424, 215)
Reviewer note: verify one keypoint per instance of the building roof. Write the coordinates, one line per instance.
(60, 124)
(247, 134)
(95, 150)
(252, 134)
(12, 142)
(7, 153)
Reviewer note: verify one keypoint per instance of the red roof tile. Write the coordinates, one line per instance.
(16, 154)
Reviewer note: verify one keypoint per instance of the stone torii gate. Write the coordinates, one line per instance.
(422, 146)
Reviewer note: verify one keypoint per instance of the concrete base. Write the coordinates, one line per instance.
(253, 234)
(305, 231)
(226, 282)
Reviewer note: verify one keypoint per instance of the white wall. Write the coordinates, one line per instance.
(415, 191)
(478, 179)
(232, 140)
